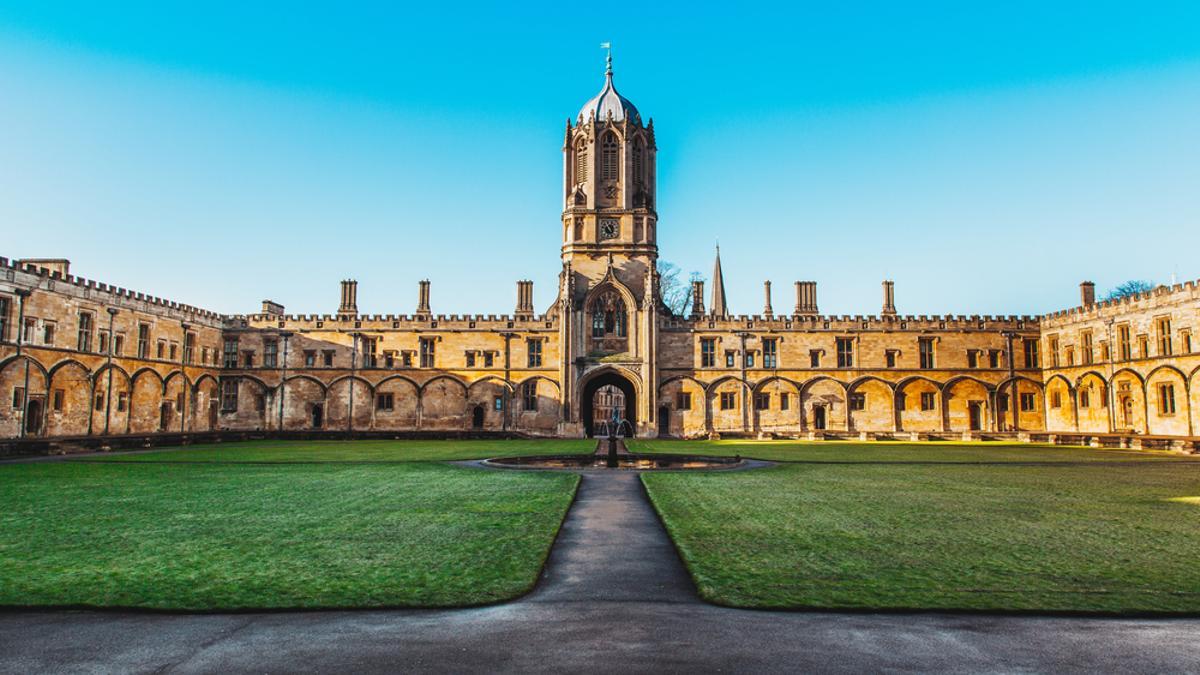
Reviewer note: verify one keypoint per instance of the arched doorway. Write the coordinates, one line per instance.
(477, 417)
(600, 390)
(318, 415)
(33, 416)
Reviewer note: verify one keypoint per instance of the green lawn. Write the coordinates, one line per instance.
(360, 451)
(1094, 536)
(890, 451)
(231, 536)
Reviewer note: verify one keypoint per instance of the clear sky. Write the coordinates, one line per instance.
(987, 156)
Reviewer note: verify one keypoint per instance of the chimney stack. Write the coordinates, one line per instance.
(1087, 293)
(525, 298)
(349, 304)
(806, 298)
(767, 311)
(272, 308)
(889, 298)
(423, 297)
(697, 299)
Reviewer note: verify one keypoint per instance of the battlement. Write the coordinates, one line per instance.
(91, 287)
(392, 321)
(1128, 303)
(858, 322)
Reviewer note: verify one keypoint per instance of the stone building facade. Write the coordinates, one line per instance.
(80, 358)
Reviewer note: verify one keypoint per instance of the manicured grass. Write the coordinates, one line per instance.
(233, 536)
(1090, 536)
(890, 451)
(361, 451)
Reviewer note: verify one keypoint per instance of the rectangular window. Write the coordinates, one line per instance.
(529, 397)
(248, 358)
(498, 403)
(327, 358)
(174, 347)
(770, 353)
(845, 352)
(470, 359)
(972, 358)
(1055, 399)
(814, 358)
(1028, 402)
(1104, 353)
(1143, 346)
(784, 401)
(48, 333)
(30, 330)
(1187, 341)
(84, 343)
(901, 401)
(1085, 397)
(1070, 356)
(406, 358)
(708, 352)
(18, 399)
(1031, 353)
(762, 401)
(749, 359)
(730, 359)
(1002, 403)
(728, 400)
(389, 359)
(5, 308)
(1086, 349)
(102, 342)
(1164, 336)
(229, 395)
(927, 400)
(385, 401)
(534, 349)
(118, 344)
(310, 358)
(1052, 345)
(683, 401)
(270, 353)
(98, 404)
(889, 358)
(858, 401)
(1124, 348)
(189, 347)
(368, 352)
(488, 359)
(161, 350)
(59, 395)
(428, 353)
(994, 358)
(122, 401)
(925, 351)
(143, 348)
(1166, 399)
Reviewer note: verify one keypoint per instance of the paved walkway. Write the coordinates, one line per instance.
(614, 598)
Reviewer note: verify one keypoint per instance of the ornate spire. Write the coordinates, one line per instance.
(718, 292)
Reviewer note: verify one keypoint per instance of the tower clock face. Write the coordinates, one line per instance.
(610, 228)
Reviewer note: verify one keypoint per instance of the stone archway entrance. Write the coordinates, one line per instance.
(599, 392)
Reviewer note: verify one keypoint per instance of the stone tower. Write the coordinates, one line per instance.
(608, 292)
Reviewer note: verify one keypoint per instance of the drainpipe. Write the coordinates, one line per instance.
(112, 315)
(1015, 395)
(283, 377)
(23, 293)
(1112, 425)
(353, 364)
(507, 398)
(183, 358)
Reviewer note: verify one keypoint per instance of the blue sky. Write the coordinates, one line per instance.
(987, 158)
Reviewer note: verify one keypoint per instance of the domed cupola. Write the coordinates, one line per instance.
(609, 102)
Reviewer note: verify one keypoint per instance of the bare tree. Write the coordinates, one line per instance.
(676, 293)
(1131, 287)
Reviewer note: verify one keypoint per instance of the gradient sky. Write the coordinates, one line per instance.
(987, 158)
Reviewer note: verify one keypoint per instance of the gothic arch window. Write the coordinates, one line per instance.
(581, 162)
(608, 159)
(610, 322)
(639, 170)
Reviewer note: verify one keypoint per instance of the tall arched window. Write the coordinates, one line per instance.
(581, 162)
(609, 152)
(609, 322)
(639, 171)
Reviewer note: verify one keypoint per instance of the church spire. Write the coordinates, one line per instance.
(718, 293)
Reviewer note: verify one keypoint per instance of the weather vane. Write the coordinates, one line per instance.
(608, 46)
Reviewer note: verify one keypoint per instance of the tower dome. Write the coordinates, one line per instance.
(609, 102)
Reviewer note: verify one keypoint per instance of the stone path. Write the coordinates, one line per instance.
(614, 598)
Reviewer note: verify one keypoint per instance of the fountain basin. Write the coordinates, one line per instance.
(624, 462)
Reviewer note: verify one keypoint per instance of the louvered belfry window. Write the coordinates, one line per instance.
(609, 151)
